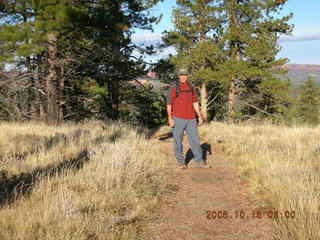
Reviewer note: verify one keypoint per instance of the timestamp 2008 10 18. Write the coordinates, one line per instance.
(241, 214)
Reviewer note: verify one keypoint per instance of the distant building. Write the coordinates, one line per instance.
(152, 75)
(151, 78)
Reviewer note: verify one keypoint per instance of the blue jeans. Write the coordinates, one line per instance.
(191, 127)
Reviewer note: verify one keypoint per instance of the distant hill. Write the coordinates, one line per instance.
(299, 73)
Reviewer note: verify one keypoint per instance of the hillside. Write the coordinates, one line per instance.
(298, 73)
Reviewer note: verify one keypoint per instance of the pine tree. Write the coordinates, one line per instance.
(252, 37)
(309, 102)
(233, 42)
(64, 43)
(196, 38)
(31, 32)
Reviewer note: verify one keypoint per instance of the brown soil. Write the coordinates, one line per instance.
(203, 192)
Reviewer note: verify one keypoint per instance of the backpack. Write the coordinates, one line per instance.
(178, 88)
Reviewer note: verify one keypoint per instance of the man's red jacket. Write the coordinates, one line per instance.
(182, 106)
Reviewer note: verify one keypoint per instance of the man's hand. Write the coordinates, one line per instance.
(197, 110)
(171, 122)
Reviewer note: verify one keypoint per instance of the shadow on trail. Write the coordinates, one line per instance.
(108, 138)
(165, 136)
(13, 187)
(151, 132)
(42, 143)
(206, 148)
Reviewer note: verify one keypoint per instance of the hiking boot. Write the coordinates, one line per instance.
(202, 165)
(182, 166)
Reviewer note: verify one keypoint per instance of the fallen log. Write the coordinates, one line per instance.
(165, 135)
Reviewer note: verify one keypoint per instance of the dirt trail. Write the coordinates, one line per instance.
(183, 215)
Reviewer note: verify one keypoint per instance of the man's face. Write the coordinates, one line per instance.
(183, 77)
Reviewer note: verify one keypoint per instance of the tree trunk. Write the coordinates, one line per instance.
(39, 84)
(234, 54)
(61, 95)
(233, 93)
(41, 87)
(232, 100)
(203, 90)
(51, 81)
(204, 101)
(32, 111)
(35, 100)
(115, 99)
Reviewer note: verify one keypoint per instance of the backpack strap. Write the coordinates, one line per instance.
(177, 88)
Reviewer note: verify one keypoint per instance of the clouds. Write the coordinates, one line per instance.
(167, 51)
(301, 48)
(293, 47)
(147, 38)
(155, 38)
(300, 38)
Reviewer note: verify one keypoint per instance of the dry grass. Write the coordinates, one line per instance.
(98, 181)
(77, 181)
(281, 165)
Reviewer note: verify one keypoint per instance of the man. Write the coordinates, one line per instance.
(182, 109)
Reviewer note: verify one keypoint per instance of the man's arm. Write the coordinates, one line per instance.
(196, 106)
(196, 102)
(169, 111)
(196, 109)
(169, 107)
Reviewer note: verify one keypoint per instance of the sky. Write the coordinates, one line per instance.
(302, 47)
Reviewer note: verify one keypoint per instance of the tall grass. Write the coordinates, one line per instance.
(77, 181)
(103, 181)
(281, 165)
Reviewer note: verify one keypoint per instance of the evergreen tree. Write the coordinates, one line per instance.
(196, 38)
(309, 102)
(64, 44)
(32, 32)
(252, 37)
(165, 70)
(233, 42)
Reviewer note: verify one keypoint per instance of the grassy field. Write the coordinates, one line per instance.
(282, 168)
(103, 180)
(77, 181)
